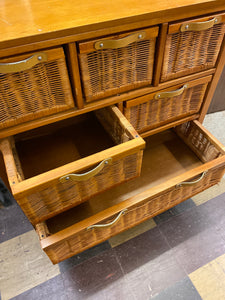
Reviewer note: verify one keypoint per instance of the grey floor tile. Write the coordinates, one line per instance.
(141, 249)
(13, 222)
(182, 290)
(99, 277)
(194, 236)
(52, 289)
(79, 258)
(148, 264)
(174, 211)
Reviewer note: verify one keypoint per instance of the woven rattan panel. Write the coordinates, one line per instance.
(39, 91)
(112, 71)
(198, 141)
(59, 197)
(189, 52)
(157, 112)
(154, 206)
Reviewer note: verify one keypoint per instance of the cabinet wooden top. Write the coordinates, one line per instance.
(27, 21)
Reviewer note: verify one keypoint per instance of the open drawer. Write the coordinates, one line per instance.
(176, 165)
(56, 167)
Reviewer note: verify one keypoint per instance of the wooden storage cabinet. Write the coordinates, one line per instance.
(174, 169)
(60, 168)
(32, 86)
(69, 153)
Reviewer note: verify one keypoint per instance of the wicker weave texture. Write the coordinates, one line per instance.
(112, 71)
(189, 52)
(157, 112)
(37, 92)
(198, 141)
(201, 144)
(156, 205)
(52, 200)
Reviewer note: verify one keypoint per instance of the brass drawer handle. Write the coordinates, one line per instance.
(192, 182)
(164, 95)
(123, 42)
(22, 65)
(199, 26)
(108, 224)
(87, 175)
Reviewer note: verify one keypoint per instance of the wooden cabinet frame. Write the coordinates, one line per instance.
(79, 23)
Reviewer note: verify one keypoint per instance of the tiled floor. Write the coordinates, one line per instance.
(178, 255)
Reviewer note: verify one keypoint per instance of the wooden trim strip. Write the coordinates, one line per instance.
(23, 65)
(160, 48)
(151, 96)
(42, 230)
(43, 180)
(211, 89)
(168, 126)
(200, 26)
(174, 28)
(52, 54)
(90, 46)
(75, 74)
(6, 147)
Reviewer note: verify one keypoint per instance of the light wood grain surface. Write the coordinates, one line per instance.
(24, 18)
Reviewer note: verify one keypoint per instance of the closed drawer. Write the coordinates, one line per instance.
(192, 46)
(54, 168)
(33, 86)
(176, 166)
(118, 63)
(165, 106)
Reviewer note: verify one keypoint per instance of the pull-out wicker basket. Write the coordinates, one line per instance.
(33, 86)
(175, 168)
(192, 46)
(116, 64)
(165, 106)
(57, 167)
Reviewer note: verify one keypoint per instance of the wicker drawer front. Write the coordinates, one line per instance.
(165, 106)
(129, 217)
(118, 63)
(33, 86)
(54, 172)
(90, 225)
(192, 46)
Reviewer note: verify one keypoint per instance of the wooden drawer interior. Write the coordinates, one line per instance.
(32, 86)
(168, 162)
(115, 64)
(165, 106)
(101, 149)
(51, 150)
(165, 157)
(192, 46)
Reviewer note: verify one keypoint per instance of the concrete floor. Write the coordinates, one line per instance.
(215, 123)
